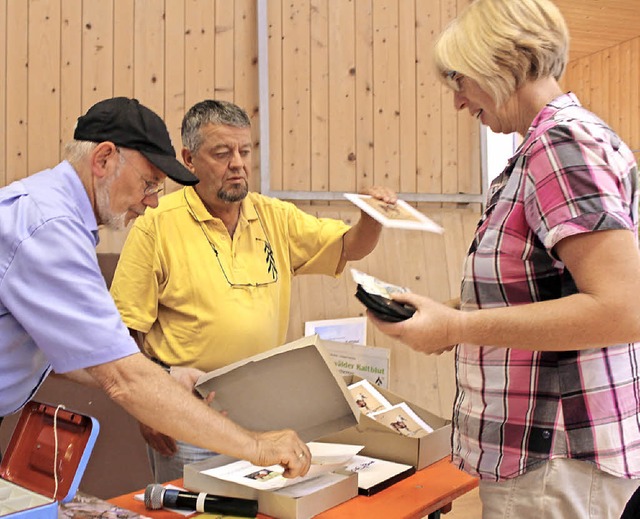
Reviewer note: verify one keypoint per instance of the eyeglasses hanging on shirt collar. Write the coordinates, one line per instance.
(270, 261)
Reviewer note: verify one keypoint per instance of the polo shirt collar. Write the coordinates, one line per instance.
(199, 212)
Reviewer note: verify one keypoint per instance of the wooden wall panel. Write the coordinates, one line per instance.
(17, 63)
(353, 98)
(341, 148)
(3, 93)
(43, 94)
(70, 69)
(276, 94)
(364, 93)
(296, 95)
(319, 72)
(386, 98)
(407, 92)
(429, 139)
(127, 43)
(607, 84)
(198, 57)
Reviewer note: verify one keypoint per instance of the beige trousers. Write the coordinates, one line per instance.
(558, 489)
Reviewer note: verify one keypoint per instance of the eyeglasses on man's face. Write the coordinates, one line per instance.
(453, 79)
(150, 188)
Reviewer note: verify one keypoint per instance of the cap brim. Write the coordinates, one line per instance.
(172, 168)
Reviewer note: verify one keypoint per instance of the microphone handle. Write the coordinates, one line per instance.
(215, 504)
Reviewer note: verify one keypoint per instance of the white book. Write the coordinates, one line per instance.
(375, 474)
(399, 215)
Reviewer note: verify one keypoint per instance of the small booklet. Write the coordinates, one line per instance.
(368, 398)
(402, 419)
(399, 215)
(375, 474)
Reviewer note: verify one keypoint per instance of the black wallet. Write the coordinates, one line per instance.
(384, 308)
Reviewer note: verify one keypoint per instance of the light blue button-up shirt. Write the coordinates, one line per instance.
(55, 309)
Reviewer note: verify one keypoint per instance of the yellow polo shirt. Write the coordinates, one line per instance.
(206, 310)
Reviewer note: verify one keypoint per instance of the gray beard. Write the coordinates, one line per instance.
(235, 195)
(112, 221)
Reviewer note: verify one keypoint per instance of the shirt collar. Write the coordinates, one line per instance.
(199, 212)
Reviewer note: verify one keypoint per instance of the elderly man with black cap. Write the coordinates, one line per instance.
(55, 311)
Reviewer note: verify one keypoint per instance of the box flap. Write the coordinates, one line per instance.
(31, 453)
(294, 386)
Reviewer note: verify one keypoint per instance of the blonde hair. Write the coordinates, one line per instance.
(501, 44)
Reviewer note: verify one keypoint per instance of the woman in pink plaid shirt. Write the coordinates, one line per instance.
(548, 353)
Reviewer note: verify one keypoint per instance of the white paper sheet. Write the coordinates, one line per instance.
(325, 457)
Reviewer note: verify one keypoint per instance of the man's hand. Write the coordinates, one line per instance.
(433, 328)
(362, 238)
(188, 378)
(388, 196)
(283, 448)
(162, 443)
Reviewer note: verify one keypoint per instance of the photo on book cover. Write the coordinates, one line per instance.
(368, 398)
(399, 215)
(325, 457)
(402, 419)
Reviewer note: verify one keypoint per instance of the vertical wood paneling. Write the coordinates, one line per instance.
(296, 149)
(224, 52)
(44, 95)
(429, 103)
(198, 59)
(3, 92)
(613, 75)
(319, 71)
(17, 87)
(610, 88)
(245, 88)
(634, 97)
(123, 47)
(364, 93)
(407, 79)
(148, 76)
(624, 95)
(342, 145)
(386, 102)
(174, 81)
(449, 121)
(97, 49)
(70, 68)
(276, 89)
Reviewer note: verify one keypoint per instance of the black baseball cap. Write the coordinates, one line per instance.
(129, 124)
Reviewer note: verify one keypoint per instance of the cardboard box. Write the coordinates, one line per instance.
(296, 386)
(382, 442)
(45, 437)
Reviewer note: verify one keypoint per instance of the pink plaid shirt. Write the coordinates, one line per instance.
(571, 175)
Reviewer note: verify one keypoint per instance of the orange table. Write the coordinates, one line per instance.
(428, 492)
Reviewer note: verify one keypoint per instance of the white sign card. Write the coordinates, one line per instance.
(351, 357)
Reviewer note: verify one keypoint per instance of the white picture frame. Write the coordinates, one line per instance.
(399, 215)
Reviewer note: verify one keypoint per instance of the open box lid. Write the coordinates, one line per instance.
(30, 457)
(296, 386)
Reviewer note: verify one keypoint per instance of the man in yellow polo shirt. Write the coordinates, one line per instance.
(205, 278)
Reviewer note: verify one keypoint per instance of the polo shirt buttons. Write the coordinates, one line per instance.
(546, 434)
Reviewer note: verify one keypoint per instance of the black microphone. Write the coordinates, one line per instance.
(156, 497)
